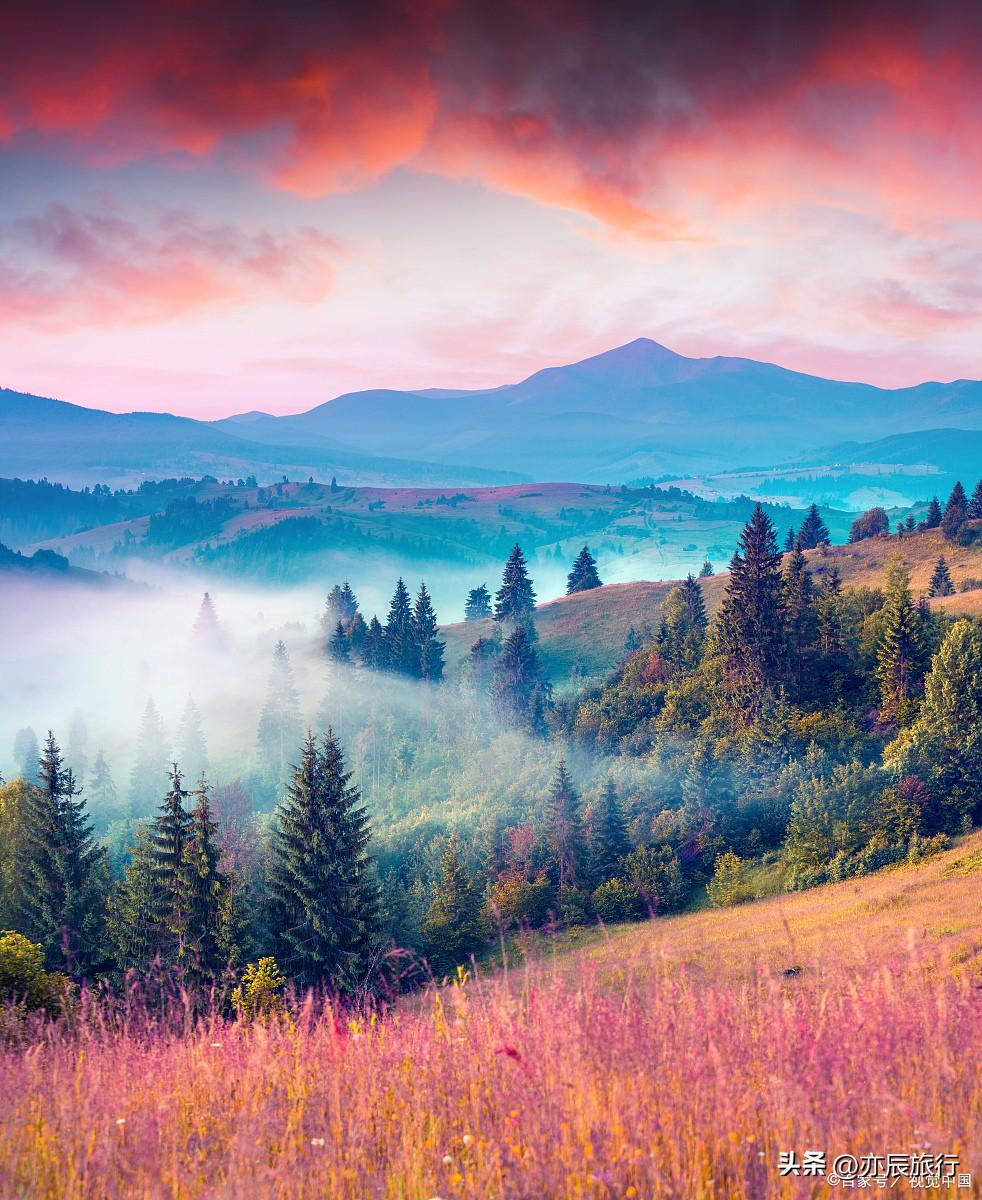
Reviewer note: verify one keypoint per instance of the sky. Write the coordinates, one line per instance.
(210, 208)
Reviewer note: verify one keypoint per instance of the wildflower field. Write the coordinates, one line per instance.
(672, 1059)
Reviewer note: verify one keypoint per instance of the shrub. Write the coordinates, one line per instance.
(260, 994)
(515, 901)
(25, 982)
(729, 884)
(617, 900)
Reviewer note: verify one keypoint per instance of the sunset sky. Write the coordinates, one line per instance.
(208, 208)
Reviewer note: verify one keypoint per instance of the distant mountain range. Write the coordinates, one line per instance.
(638, 410)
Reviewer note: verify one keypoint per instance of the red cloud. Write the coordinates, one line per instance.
(647, 117)
(65, 268)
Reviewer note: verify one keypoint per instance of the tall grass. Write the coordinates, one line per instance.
(537, 1083)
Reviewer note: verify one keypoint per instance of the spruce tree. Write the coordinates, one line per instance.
(751, 623)
(452, 925)
(706, 570)
(279, 723)
(933, 517)
(150, 771)
(801, 617)
(609, 841)
(910, 524)
(401, 654)
(208, 633)
(789, 540)
(205, 945)
(480, 663)
(564, 830)
(955, 513)
(102, 790)
(169, 836)
(813, 530)
(135, 908)
(683, 628)
(583, 577)
(941, 584)
(478, 604)
(830, 614)
(76, 756)
(429, 648)
(373, 647)
(325, 903)
(515, 599)
(191, 741)
(519, 691)
(337, 647)
(27, 754)
(900, 652)
(975, 504)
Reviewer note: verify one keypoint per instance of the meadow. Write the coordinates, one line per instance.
(675, 1058)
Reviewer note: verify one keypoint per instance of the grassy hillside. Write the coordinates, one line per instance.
(585, 633)
(673, 1059)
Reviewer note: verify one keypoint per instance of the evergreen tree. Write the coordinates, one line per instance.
(789, 540)
(452, 925)
(519, 691)
(706, 570)
(941, 584)
(975, 504)
(683, 628)
(401, 654)
(813, 530)
(429, 648)
(191, 741)
(478, 605)
(150, 768)
(62, 871)
(341, 605)
(564, 830)
(76, 755)
(515, 599)
(910, 524)
(900, 652)
(207, 632)
(373, 647)
(355, 634)
(830, 614)
(102, 790)
(169, 837)
(955, 513)
(933, 518)
(325, 902)
(135, 908)
(583, 577)
(27, 753)
(480, 663)
(205, 945)
(609, 841)
(337, 647)
(751, 623)
(801, 617)
(279, 723)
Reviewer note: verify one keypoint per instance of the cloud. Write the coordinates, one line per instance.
(67, 268)
(648, 117)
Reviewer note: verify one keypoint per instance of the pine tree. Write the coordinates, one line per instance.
(830, 614)
(150, 768)
(27, 753)
(102, 790)
(941, 584)
(452, 925)
(478, 605)
(401, 655)
(519, 691)
(813, 530)
(683, 630)
(62, 872)
(207, 632)
(706, 570)
(955, 513)
(975, 504)
(135, 908)
(583, 577)
(480, 663)
(801, 617)
(515, 599)
(325, 903)
(337, 647)
(279, 723)
(751, 623)
(564, 829)
(373, 647)
(609, 841)
(169, 836)
(205, 944)
(789, 540)
(191, 741)
(341, 605)
(910, 524)
(429, 648)
(900, 652)
(933, 518)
